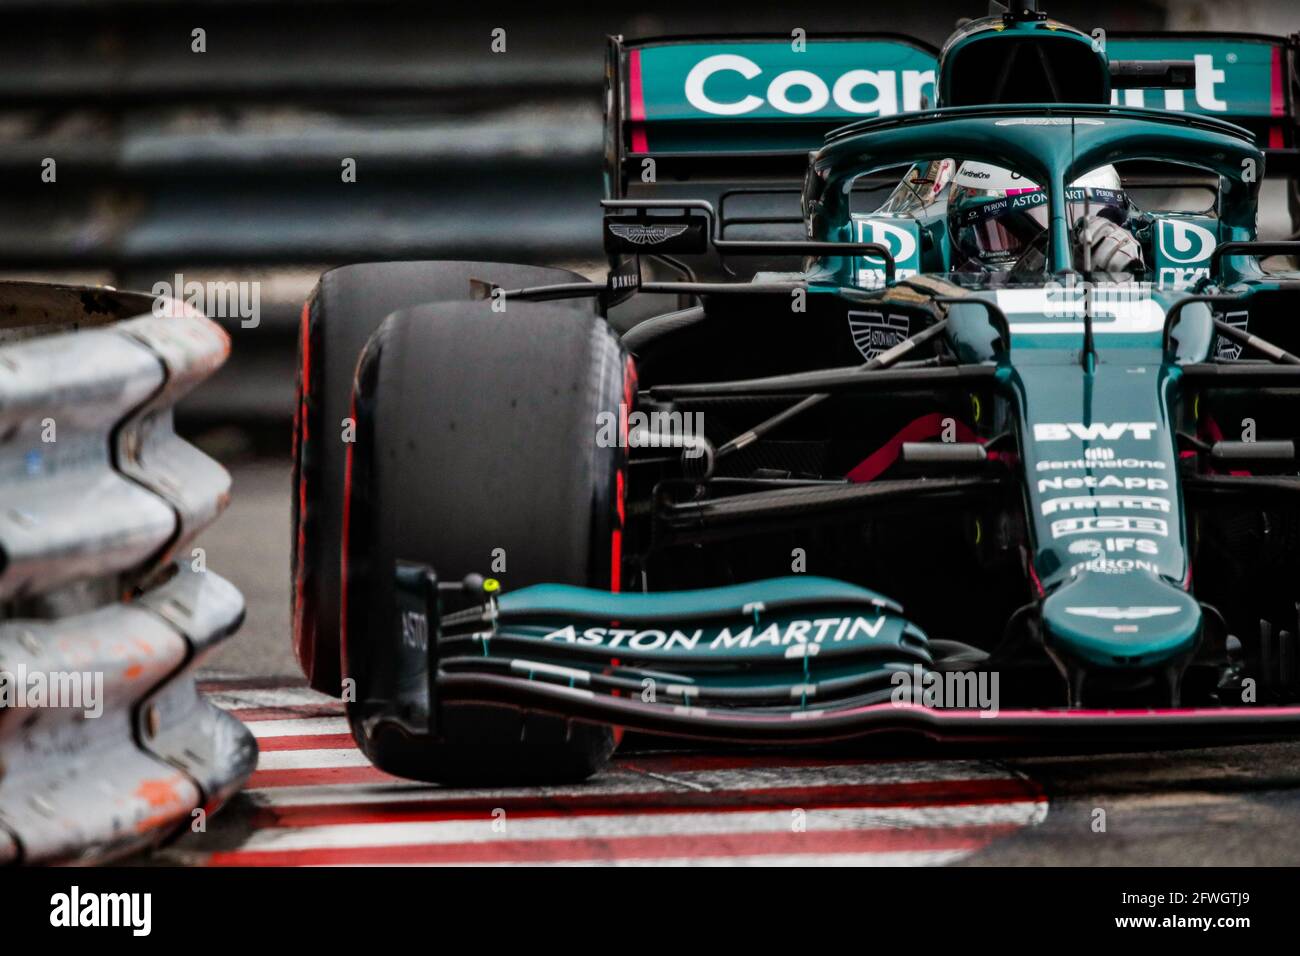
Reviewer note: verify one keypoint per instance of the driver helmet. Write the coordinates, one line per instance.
(995, 214)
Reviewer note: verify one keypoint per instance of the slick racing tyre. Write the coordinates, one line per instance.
(477, 452)
(347, 305)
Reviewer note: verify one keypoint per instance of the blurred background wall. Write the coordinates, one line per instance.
(225, 163)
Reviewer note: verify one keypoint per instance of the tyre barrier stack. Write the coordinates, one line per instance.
(106, 746)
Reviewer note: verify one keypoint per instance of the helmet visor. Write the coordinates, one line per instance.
(997, 231)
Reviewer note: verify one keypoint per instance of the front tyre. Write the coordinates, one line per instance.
(477, 451)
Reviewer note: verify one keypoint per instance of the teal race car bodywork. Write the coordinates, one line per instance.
(1124, 395)
(1037, 461)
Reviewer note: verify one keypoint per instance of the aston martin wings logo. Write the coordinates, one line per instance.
(1122, 613)
(642, 235)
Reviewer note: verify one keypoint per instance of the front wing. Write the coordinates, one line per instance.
(794, 660)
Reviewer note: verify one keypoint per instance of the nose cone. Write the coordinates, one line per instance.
(1134, 620)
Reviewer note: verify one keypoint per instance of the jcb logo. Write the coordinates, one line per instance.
(1105, 523)
(1096, 431)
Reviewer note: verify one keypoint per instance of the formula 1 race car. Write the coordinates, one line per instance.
(1012, 454)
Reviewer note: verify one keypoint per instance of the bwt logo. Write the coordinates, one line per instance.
(863, 92)
(902, 246)
(1096, 431)
(1185, 243)
(900, 243)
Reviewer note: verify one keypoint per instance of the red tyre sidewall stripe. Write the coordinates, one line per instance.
(620, 496)
(303, 628)
(345, 538)
(620, 479)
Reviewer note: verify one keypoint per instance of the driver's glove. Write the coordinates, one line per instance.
(1112, 248)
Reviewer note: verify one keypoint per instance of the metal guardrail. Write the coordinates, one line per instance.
(227, 162)
(167, 158)
(98, 500)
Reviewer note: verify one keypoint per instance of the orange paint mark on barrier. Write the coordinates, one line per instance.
(162, 795)
(159, 793)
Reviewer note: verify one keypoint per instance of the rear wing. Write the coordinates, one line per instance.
(751, 107)
(731, 119)
(1248, 79)
(749, 96)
